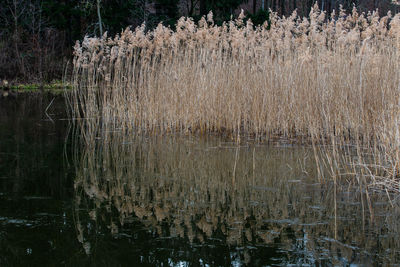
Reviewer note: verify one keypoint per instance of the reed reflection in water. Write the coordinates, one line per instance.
(204, 192)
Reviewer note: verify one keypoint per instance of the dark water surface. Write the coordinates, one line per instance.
(174, 201)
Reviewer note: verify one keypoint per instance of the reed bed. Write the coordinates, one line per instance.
(326, 79)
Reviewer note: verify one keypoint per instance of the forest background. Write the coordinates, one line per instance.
(37, 36)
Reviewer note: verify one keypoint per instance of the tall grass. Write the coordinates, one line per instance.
(330, 80)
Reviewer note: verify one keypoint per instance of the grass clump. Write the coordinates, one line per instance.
(330, 80)
(54, 87)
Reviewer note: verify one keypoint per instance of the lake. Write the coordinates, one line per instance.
(175, 200)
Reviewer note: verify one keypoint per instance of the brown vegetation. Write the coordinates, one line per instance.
(332, 81)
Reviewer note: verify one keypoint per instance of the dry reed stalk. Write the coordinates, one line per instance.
(324, 80)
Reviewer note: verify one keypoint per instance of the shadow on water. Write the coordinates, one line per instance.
(36, 186)
(173, 201)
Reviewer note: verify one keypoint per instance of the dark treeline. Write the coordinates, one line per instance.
(36, 36)
(286, 7)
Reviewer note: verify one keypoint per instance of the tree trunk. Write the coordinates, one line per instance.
(99, 16)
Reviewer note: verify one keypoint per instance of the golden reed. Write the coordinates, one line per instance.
(331, 80)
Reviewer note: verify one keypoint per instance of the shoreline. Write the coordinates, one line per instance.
(12, 90)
